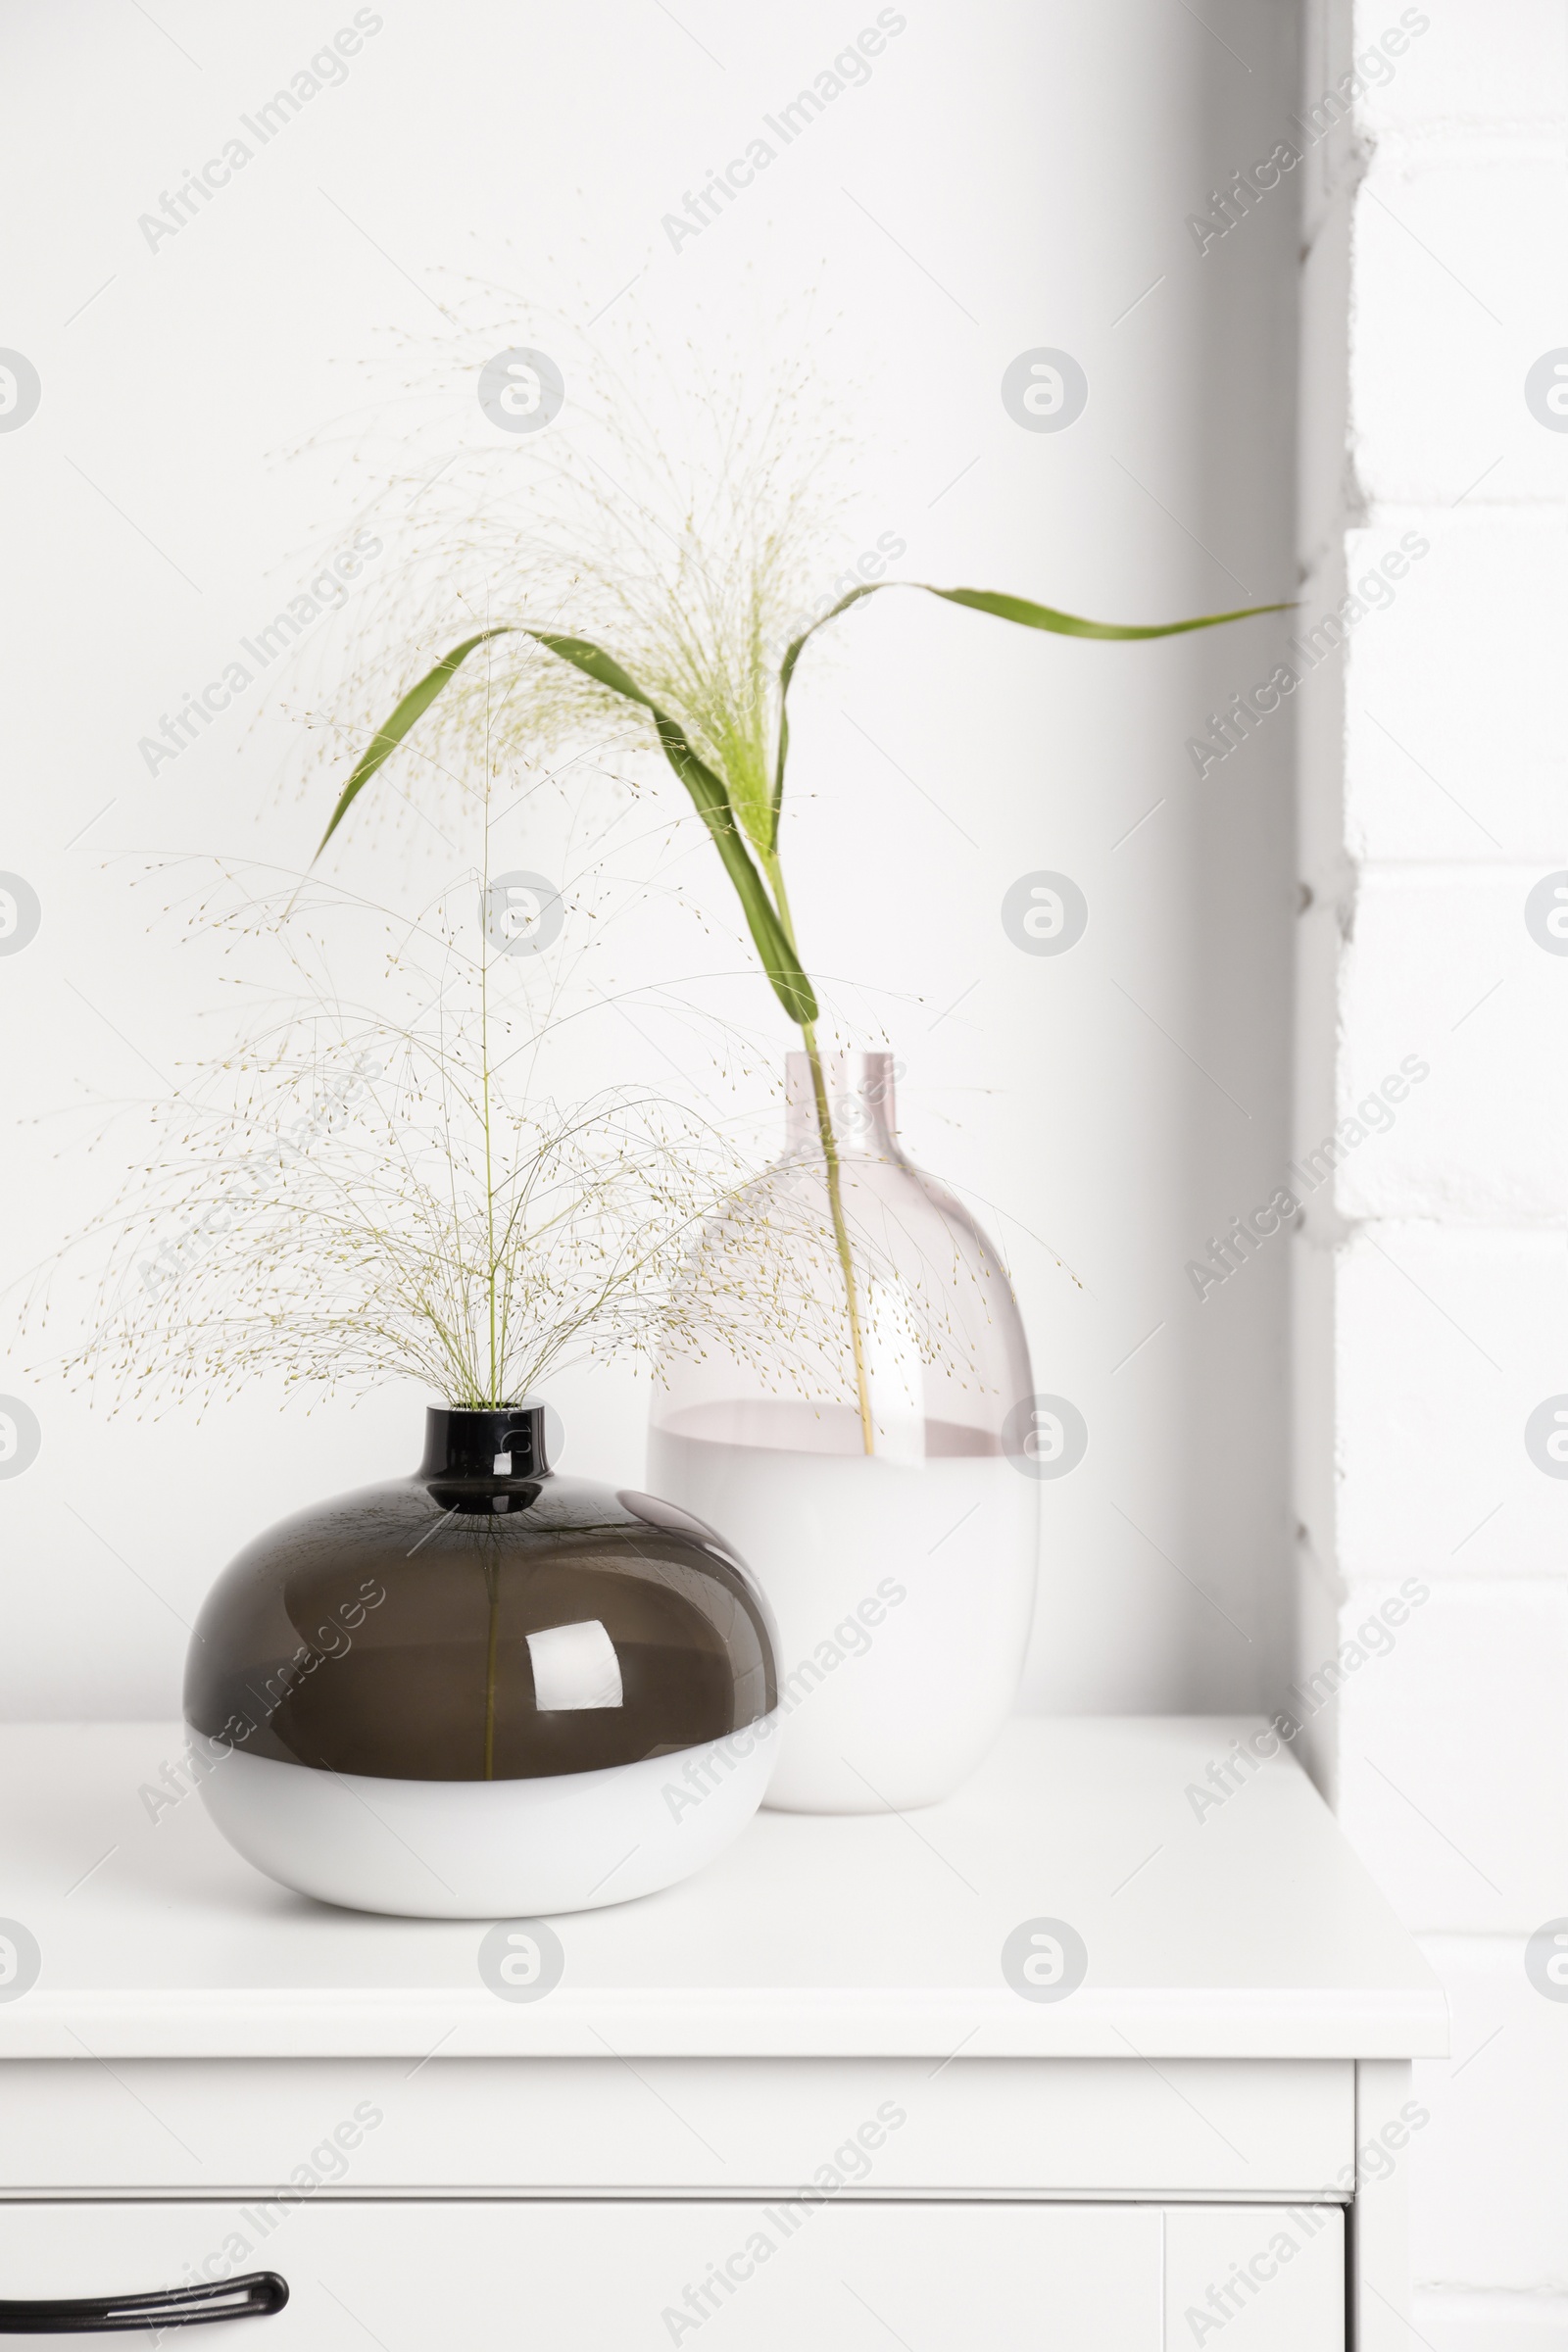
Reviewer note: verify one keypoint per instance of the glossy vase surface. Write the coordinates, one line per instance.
(882, 1494)
(485, 1690)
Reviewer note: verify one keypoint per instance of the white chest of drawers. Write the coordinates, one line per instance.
(840, 2089)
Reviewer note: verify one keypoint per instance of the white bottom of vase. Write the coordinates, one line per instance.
(904, 1593)
(490, 1849)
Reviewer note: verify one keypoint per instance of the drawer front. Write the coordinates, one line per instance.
(611, 2275)
(1088, 2128)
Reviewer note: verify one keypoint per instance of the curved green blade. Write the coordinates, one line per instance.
(384, 742)
(1018, 609)
(778, 958)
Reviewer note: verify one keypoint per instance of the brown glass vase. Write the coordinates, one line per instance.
(485, 1690)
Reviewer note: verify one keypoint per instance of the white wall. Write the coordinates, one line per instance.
(1431, 1283)
(1012, 175)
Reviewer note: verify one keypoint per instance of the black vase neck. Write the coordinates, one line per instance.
(508, 1442)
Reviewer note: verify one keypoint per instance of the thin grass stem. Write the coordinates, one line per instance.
(831, 1164)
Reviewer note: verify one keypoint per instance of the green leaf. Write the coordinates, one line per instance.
(1016, 609)
(384, 742)
(778, 958)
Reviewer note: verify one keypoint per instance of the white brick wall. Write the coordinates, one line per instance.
(1432, 1266)
(1469, 1830)
(1444, 1341)
(1452, 750)
(1490, 2172)
(1439, 965)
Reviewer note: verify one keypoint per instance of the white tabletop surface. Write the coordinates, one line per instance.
(1253, 1931)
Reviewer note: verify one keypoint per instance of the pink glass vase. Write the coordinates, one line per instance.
(876, 1477)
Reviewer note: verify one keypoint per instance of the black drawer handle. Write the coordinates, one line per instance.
(254, 2296)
